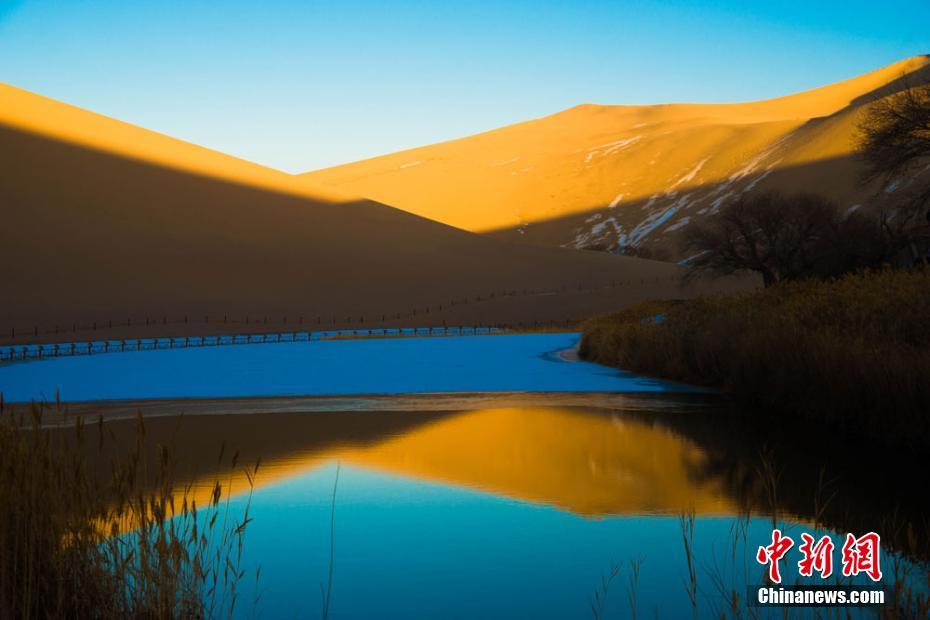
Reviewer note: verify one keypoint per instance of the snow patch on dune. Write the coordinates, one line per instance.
(616, 201)
(410, 164)
(679, 224)
(649, 203)
(689, 176)
(719, 200)
(610, 148)
(645, 228)
(687, 260)
(608, 230)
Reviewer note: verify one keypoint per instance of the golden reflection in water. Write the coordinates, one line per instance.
(587, 462)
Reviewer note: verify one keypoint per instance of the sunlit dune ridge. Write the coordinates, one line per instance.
(626, 176)
(109, 224)
(53, 119)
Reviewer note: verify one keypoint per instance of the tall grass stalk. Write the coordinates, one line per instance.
(128, 544)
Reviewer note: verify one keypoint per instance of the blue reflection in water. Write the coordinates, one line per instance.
(411, 549)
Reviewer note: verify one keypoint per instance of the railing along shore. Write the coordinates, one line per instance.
(13, 353)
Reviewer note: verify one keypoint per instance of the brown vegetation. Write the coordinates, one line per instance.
(126, 545)
(853, 352)
(894, 143)
(793, 237)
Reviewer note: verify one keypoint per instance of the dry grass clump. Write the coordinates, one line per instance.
(852, 352)
(78, 544)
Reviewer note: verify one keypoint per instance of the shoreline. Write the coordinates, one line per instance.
(498, 363)
(111, 411)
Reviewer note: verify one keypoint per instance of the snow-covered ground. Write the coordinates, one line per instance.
(492, 363)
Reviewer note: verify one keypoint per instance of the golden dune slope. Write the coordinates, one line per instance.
(104, 221)
(620, 176)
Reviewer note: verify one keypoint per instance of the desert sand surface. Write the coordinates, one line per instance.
(632, 177)
(107, 223)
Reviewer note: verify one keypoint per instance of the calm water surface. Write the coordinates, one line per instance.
(508, 510)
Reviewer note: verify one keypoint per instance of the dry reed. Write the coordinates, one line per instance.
(78, 544)
(853, 352)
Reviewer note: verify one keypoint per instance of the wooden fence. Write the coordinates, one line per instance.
(316, 319)
(13, 353)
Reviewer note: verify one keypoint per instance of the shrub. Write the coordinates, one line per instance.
(854, 352)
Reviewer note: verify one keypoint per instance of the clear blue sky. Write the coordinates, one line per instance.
(299, 85)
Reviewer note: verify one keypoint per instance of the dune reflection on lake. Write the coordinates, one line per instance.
(584, 460)
(521, 500)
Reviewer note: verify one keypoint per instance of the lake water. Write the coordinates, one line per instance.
(464, 364)
(512, 511)
(512, 495)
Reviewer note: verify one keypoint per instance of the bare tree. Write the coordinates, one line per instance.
(779, 237)
(894, 141)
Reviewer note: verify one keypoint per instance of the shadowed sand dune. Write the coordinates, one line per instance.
(105, 221)
(616, 177)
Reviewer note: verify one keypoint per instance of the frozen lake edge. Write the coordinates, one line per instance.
(390, 366)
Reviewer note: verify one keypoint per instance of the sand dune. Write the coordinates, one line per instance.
(624, 176)
(103, 221)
